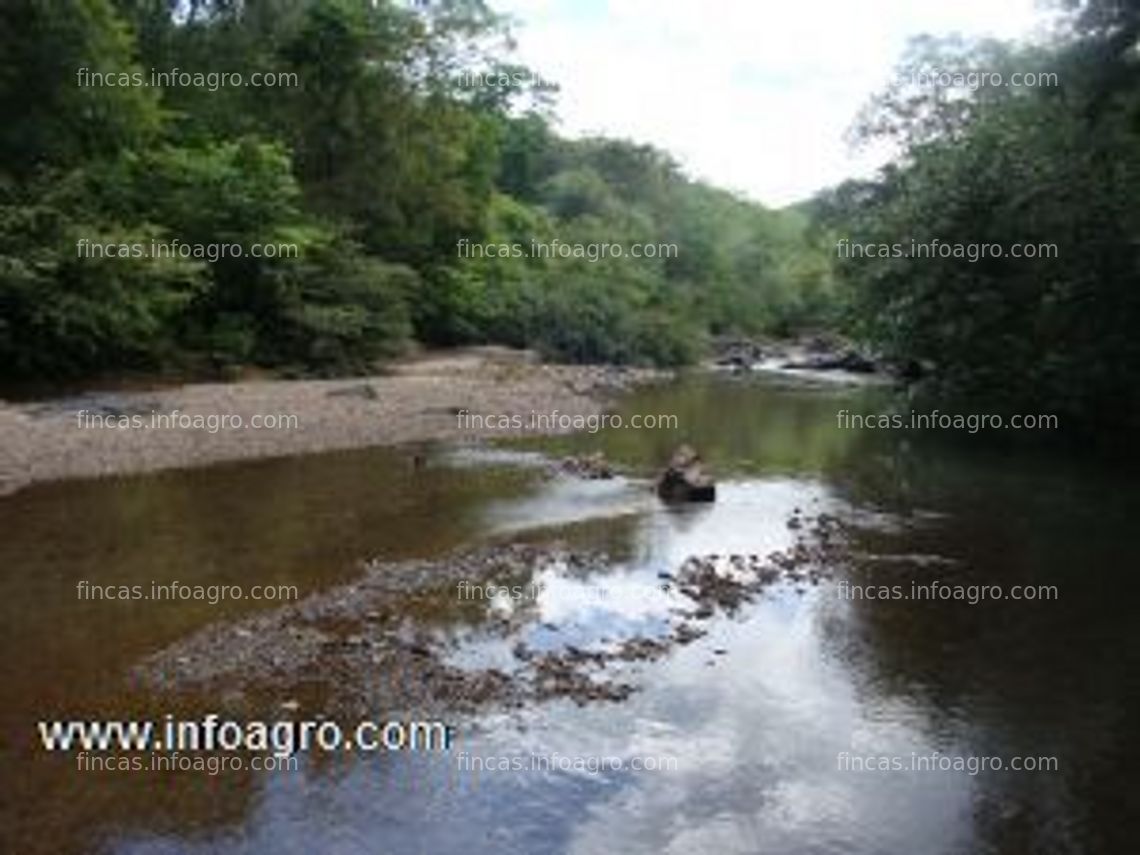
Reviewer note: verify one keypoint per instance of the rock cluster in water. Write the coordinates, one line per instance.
(591, 467)
(357, 649)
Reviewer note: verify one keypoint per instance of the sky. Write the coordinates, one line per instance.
(750, 95)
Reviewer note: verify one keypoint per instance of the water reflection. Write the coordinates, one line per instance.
(755, 715)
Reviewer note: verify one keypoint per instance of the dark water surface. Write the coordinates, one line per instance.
(750, 721)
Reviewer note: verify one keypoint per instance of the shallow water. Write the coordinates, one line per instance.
(750, 721)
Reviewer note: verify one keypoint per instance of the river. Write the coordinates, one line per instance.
(764, 736)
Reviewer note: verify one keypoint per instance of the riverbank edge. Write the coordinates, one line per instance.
(423, 399)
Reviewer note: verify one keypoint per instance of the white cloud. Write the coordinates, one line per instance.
(753, 95)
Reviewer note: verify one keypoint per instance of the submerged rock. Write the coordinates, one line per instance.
(685, 480)
(592, 467)
(848, 360)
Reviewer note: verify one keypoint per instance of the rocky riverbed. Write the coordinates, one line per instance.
(378, 642)
(826, 357)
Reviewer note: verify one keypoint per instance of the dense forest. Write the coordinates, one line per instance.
(1057, 165)
(402, 138)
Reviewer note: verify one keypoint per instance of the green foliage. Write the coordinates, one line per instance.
(1055, 166)
(375, 162)
(62, 314)
(341, 310)
(52, 115)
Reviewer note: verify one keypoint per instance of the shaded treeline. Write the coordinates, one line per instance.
(375, 158)
(1056, 166)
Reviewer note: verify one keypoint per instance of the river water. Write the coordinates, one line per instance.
(764, 736)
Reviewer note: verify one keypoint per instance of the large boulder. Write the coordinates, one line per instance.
(685, 480)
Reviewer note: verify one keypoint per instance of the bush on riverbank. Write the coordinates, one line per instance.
(1053, 169)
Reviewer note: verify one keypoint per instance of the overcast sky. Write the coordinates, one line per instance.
(752, 95)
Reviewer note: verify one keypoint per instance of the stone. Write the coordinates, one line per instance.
(684, 480)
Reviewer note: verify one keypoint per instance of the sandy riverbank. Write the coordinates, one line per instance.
(417, 400)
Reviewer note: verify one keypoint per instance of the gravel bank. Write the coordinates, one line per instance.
(418, 400)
